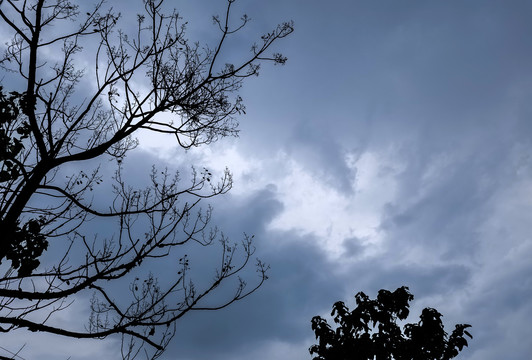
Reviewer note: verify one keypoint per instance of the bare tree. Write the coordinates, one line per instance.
(61, 115)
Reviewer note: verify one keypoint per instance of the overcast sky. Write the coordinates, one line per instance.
(394, 148)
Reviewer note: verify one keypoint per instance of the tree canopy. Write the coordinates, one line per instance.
(370, 331)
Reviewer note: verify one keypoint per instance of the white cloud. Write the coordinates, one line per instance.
(312, 206)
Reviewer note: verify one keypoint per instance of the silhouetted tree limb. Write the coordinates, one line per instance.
(58, 114)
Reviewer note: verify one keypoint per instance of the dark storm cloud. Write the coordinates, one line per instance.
(500, 315)
(353, 247)
(303, 282)
(447, 87)
(323, 157)
(444, 211)
(301, 279)
(423, 281)
(431, 69)
(281, 310)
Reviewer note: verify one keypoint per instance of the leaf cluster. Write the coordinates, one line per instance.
(12, 134)
(370, 331)
(22, 245)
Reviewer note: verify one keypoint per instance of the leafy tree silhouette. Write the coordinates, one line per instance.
(370, 331)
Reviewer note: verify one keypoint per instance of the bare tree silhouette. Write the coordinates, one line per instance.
(62, 114)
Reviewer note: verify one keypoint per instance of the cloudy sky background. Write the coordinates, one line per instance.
(394, 148)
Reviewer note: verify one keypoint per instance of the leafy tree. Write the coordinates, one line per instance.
(370, 331)
(81, 90)
(27, 242)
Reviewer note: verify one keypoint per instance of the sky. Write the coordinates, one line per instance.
(394, 148)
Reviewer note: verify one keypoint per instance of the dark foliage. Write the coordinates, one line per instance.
(370, 331)
(22, 245)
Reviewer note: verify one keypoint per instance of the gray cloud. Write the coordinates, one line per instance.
(445, 87)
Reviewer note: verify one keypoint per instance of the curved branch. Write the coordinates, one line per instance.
(33, 326)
